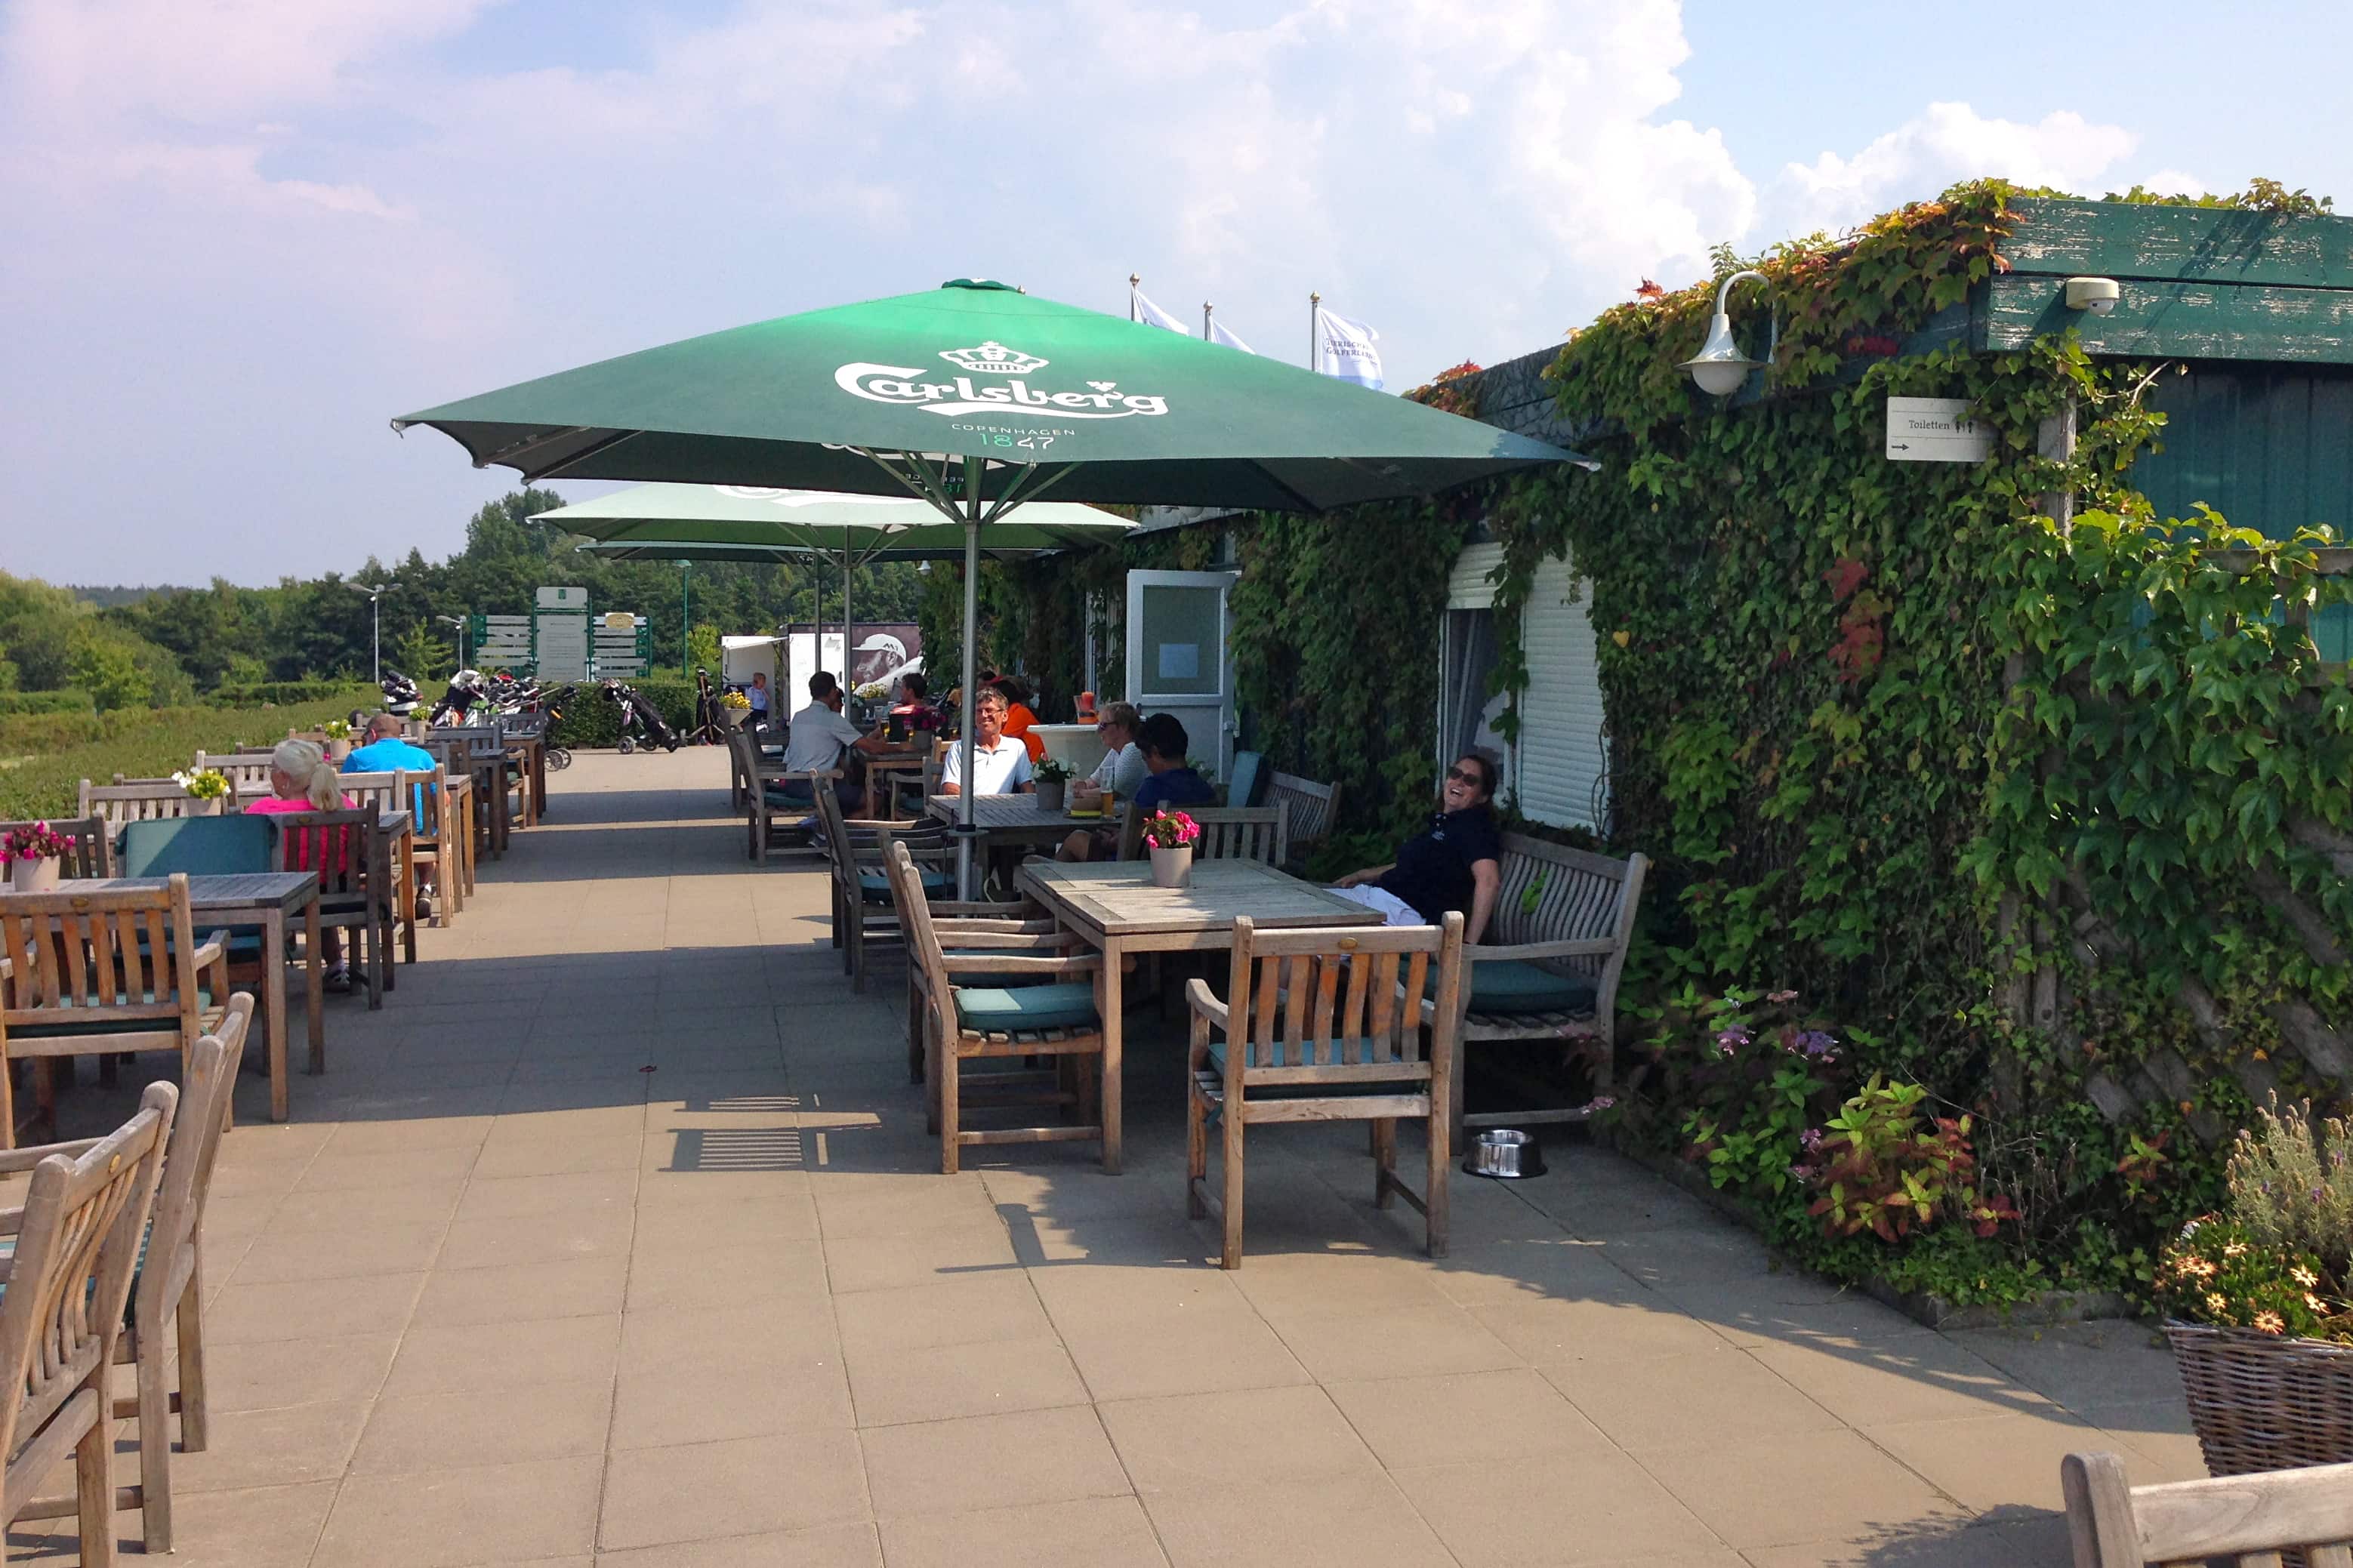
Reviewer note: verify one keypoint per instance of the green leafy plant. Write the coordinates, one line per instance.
(1885, 1164)
(2218, 1273)
(1052, 769)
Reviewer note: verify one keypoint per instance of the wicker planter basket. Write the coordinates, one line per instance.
(2259, 1401)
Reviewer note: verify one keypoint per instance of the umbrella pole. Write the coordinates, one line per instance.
(848, 643)
(972, 472)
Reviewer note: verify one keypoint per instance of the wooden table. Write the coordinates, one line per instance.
(1014, 818)
(1116, 907)
(264, 899)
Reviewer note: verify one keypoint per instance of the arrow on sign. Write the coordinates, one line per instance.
(1899, 447)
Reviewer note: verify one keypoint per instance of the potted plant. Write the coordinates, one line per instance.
(736, 706)
(1171, 836)
(2255, 1300)
(1053, 776)
(208, 787)
(339, 739)
(32, 853)
(867, 696)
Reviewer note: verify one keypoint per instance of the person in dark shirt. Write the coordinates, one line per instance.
(1169, 781)
(1457, 864)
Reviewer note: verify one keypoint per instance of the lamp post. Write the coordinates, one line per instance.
(686, 620)
(459, 622)
(1719, 368)
(375, 621)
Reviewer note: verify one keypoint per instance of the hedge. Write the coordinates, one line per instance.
(279, 694)
(69, 701)
(591, 722)
(150, 742)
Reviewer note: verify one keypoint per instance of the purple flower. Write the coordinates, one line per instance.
(1814, 1043)
(1810, 1139)
(1731, 1039)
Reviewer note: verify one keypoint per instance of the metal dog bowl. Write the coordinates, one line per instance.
(1505, 1154)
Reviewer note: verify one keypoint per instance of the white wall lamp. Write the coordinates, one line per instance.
(1720, 368)
(2097, 295)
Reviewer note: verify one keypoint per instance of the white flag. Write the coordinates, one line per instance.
(1344, 349)
(1219, 334)
(1142, 310)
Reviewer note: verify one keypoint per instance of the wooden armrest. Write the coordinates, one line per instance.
(1004, 941)
(960, 927)
(1598, 948)
(16, 1161)
(989, 963)
(1202, 1000)
(214, 948)
(1015, 909)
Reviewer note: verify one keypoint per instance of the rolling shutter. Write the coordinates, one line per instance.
(1561, 760)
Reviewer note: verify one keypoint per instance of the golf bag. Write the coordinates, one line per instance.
(399, 693)
(467, 691)
(640, 723)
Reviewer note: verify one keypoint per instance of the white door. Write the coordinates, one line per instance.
(1177, 659)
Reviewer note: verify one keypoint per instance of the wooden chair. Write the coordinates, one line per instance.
(97, 973)
(391, 792)
(78, 1239)
(766, 802)
(1313, 810)
(1322, 1025)
(341, 846)
(2251, 1520)
(863, 909)
(1239, 833)
(1557, 945)
(126, 801)
(1054, 1010)
(434, 845)
(94, 851)
(167, 1288)
(247, 773)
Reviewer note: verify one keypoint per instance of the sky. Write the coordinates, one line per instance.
(237, 236)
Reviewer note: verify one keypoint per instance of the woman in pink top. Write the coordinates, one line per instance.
(302, 779)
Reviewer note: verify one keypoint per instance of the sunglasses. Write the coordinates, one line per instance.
(1465, 775)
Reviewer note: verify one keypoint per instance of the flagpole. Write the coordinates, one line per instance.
(1134, 281)
(1315, 301)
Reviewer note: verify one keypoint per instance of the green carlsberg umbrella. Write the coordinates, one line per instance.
(976, 397)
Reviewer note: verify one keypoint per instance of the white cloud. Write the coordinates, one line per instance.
(1948, 142)
(1471, 176)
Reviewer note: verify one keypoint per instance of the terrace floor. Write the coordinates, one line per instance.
(614, 1239)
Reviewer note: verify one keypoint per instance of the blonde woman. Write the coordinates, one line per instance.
(302, 779)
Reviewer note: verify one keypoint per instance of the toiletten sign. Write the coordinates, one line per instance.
(1935, 430)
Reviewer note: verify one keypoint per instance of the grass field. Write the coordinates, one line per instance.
(45, 757)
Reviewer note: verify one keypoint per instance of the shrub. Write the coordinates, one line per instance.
(2220, 1273)
(2291, 1188)
(590, 721)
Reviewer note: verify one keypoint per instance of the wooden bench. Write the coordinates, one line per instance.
(1549, 968)
(2250, 1520)
(1310, 812)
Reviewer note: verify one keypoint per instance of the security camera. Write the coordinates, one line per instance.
(2097, 295)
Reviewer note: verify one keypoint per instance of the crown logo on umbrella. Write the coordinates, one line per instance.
(994, 358)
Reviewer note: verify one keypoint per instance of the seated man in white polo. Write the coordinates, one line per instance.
(1000, 763)
(819, 738)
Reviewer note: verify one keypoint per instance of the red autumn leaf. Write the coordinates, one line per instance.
(1844, 578)
(1647, 289)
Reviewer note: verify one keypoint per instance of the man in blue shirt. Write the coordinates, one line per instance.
(387, 753)
(1169, 781)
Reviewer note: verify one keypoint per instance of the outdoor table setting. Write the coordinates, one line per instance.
(264, 899)
(883, 772)
(1115, 906)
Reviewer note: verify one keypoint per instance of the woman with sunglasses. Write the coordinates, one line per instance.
(1457, 864)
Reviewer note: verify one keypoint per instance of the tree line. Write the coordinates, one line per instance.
(171, 645)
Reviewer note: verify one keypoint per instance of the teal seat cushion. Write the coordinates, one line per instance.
(1510, 985)
(875, 887)
(69, 1026)
(200, 845)
(993, 1009)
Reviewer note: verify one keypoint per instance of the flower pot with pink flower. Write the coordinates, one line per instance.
(1171, 836)
(32, 853)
